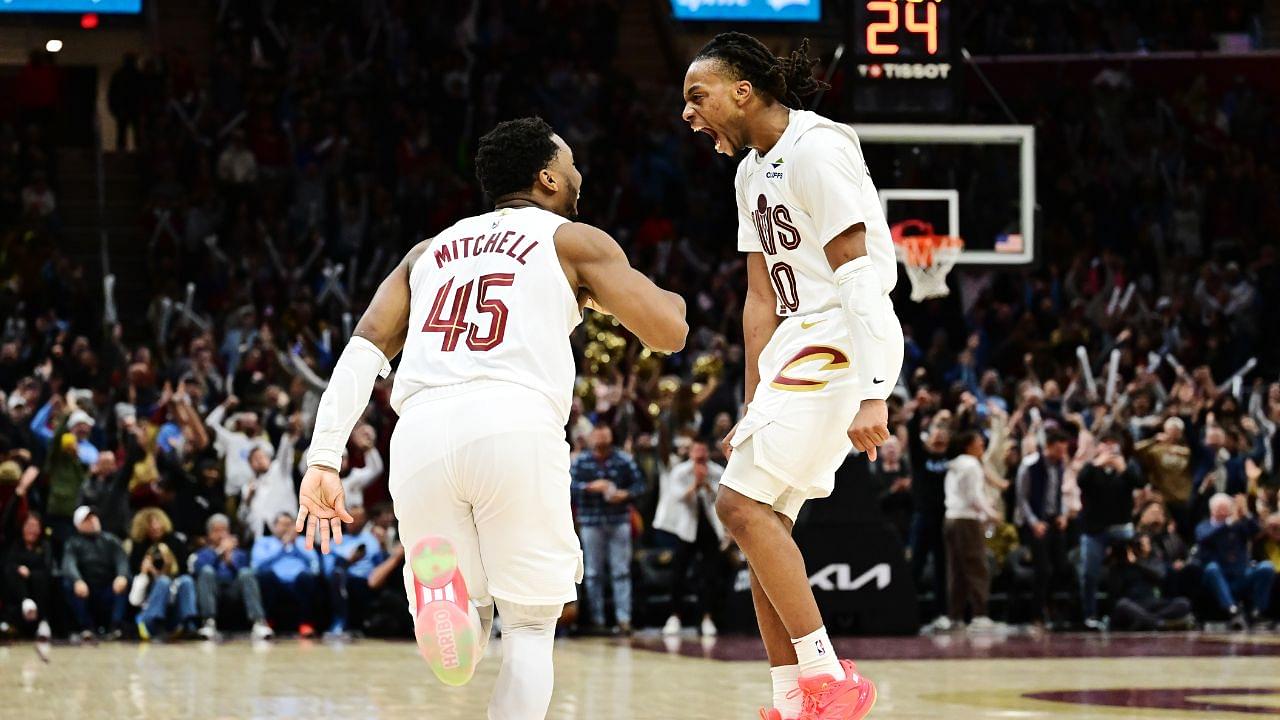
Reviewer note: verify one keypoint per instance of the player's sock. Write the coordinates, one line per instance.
(786, 680)
(523, 690)
(816, 656)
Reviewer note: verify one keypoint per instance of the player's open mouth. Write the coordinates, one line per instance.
(715, 138)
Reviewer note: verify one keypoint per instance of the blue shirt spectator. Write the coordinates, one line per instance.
(285, 560)
(596, 502)
(226, 571)
(1226, 543)
(359, 565)
(79, 423)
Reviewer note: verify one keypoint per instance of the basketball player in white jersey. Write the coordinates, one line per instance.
(824, 347)
(479, 467)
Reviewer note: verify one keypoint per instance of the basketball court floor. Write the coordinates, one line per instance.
(1060, 676)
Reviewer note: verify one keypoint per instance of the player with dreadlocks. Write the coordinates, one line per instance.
(824, 347)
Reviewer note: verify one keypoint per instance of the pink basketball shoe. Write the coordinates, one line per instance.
(448, 634)
(826, 698)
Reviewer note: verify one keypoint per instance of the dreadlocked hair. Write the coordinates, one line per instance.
(785, 79)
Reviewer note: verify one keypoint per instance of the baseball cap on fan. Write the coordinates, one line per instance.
(17, 400)
(81, 513)
(80, 417)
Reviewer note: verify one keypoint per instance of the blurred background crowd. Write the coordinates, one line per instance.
(151, 441)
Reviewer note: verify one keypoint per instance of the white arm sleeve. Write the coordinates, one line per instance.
(874, 327)
(344, 400)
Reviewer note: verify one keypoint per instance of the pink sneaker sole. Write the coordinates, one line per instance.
(448, 637)
(868, 702)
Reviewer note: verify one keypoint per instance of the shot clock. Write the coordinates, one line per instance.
(904, 59)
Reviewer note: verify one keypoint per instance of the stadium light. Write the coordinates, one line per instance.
(53, 46)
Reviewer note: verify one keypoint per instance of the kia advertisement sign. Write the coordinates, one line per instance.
(855, 560)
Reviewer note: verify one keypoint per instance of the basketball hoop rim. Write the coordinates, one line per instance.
(925, 248)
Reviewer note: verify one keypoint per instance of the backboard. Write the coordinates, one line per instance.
(976, 182)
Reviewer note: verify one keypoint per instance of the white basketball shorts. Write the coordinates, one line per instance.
(485, 465)
(795, 431)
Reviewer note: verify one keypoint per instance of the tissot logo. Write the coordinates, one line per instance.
(905, 71)
(838, 576)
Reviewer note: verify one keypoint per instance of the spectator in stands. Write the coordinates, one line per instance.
(1166, 461)
(1135, 583)
(38, 90)
(348, 568)
(891, 473)
(1168, 547)
(604, 481)
(929, 466)
(237, 165)
(1269, 550)
(1106, 486)
(38, 201)
(356, 479)
(95, 571)
(28, 582)
(1223, 542)
(107, 487)
(1041, 516)
(15, 423)
(164, 594)
(69, 453)
(386, 615)
(223, 577)
(124, 100)
(1217, 467)
(968, 577)
(687, 522)
(235, 445)
(287, 573)
(271, 492)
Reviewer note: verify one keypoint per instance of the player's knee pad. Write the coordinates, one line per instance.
(529, 619)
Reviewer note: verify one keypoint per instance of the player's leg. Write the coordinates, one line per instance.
(784, 671)
(443, 572)
(745, 506)
(527, 676)
(759, 511)
(518, 485)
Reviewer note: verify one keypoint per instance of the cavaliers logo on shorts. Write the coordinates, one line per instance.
(832, 359)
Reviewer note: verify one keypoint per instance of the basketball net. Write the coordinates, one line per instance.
(927, 256)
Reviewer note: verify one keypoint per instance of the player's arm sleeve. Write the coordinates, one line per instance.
(828, 172)
(344, 400)
(873, 327)
(748, 236)
(380, 334)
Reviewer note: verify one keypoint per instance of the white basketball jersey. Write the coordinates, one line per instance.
(489, 301)
(810, 187)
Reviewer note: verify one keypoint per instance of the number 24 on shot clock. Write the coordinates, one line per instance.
(903, 28)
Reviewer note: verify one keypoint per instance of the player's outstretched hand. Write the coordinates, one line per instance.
(322, 504)
(870, 427)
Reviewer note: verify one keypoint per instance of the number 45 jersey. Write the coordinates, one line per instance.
(489, 301)
(810, 187)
